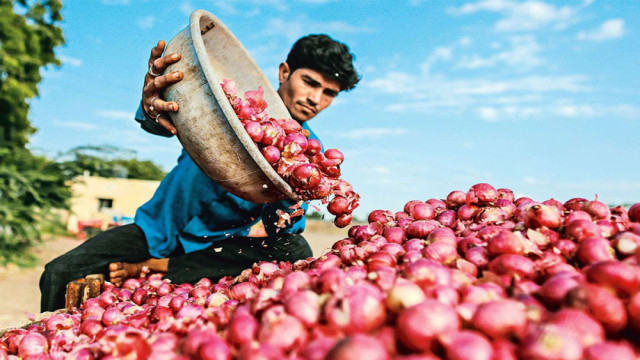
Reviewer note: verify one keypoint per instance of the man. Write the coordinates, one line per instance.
(193, 228)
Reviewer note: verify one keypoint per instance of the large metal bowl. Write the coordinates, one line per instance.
(208, 128)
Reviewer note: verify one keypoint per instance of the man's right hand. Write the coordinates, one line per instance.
(155, 82)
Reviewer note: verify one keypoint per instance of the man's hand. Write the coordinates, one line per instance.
(155, 82)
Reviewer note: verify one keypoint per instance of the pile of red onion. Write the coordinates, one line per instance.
(298, 159)
(478, 275)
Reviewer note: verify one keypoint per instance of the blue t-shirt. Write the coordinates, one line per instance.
(191, 209)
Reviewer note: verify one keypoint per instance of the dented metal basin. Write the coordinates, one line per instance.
(208, 128)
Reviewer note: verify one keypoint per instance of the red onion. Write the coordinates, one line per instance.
(358, 308)
(623, 278)
(358, 346)
(395, 234)
(582, 229)
(420, 325)
(513, 265)
(542, 215)
(244, 291)
(579, 324)
(549, 343)
(254, 130)
(112, 316)
(441, 252)
(608, 309)
(422, 211)
(306, 176)
(414, 244)
(33, 344)
(338, 205)
(609, 350)
(594, 249)
(271, 154)
(555, 288)
(408, 207)
(304, 305)
(500, 318)
(343, 220)
(379, 259)
(634, 212)
(242, 329)
(294, 144)
(394, 249)
(481, 194)
(447, 218)
(313, 147)
(626, 242)
(427, 273)
(286, 333)
(456, 198)
(335, 156)
(506, 242)
(468, 345)
(404, 294)
(479, 256)
(318, 349)
(421, 228)
(597, 209)
(381, 216)
(467, 212)
(215, 349)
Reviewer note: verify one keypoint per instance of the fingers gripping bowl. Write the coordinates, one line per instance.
(208, 128)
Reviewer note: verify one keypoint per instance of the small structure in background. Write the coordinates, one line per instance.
(99, 203)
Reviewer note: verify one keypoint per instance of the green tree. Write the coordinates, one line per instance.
(108, 161)
(30, 185)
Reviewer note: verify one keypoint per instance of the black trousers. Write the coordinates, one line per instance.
(128, 244)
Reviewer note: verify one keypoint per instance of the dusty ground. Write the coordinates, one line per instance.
(19, 293)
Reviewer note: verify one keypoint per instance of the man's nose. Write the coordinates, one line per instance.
(314, 96)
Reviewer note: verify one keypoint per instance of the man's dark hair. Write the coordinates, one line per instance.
(321, 53)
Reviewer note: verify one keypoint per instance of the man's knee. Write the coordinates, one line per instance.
(293, 247)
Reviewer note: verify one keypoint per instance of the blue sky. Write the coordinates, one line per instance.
(539, 97)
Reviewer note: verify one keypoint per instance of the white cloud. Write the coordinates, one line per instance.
(395, 82)
(488, 113)
(563, 110)
(187, 8)
(77, 125)
(381, 170)
(529, 180)
(523, 54)
(521, 15)
(372, 133)
(465, 41)
(70, 60)
(146, 22)
(610, 29)
(115, 114)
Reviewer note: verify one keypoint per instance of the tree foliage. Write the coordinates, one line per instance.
(30, 185)
(108, 161)
(27, 42)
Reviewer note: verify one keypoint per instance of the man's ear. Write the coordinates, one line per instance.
(283, 72)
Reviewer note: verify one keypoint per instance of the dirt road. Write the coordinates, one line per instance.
(19, 292)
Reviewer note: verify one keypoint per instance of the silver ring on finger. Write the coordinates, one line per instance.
(151, 107)
(152, 73)
(158, 117)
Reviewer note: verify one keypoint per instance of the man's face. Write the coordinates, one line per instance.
(306, 92)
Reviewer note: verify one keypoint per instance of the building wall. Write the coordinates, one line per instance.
(123, 195)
